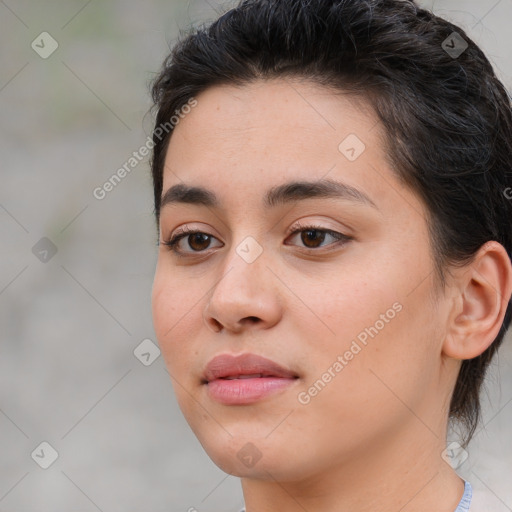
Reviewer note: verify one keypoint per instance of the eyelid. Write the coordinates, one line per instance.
(187, 230)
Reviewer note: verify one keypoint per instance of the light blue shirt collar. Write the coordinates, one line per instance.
(465, 502)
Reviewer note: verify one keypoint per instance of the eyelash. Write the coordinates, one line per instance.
(185, 231)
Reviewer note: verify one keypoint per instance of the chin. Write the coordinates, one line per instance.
(253, 457)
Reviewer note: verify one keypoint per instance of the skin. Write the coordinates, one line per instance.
(372, 439)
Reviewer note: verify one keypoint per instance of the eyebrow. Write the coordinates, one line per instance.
(275, 196)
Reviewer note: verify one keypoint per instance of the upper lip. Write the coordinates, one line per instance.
(228, 365)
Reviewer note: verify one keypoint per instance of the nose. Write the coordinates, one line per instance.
(245, 296)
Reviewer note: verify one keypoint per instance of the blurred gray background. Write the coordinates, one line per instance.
(71, 321)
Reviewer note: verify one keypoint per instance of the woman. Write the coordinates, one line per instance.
(332, 196)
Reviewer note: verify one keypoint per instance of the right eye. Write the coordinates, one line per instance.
(197, 240)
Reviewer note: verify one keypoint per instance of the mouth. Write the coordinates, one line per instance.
(251, 376)
(244, 366)
(245, 378)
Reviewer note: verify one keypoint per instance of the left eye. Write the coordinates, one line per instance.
(313, 236)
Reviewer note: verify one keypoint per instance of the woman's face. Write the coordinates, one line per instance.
(350, 318)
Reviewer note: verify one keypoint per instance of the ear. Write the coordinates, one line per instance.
(483, 291)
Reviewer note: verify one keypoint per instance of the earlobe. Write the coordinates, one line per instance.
(484, 291)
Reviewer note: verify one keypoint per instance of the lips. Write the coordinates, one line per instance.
(244, 366)
(245, 379)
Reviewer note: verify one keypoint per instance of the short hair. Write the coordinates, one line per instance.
(447, 118)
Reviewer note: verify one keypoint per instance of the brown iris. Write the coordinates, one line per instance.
(315, 235)
(202, 240)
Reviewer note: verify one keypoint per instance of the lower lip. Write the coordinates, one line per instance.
(245, 391)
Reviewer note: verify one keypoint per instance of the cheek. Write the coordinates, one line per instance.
(379, 321)
(373, 390)
(344, 306)
(175, 310)
(165, 307)
(175, 313)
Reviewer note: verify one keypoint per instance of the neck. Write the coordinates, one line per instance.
(405, 473)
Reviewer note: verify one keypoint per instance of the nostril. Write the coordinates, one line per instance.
(217, 327)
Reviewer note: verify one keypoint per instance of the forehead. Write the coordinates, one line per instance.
(259, 117)
(244, 140)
